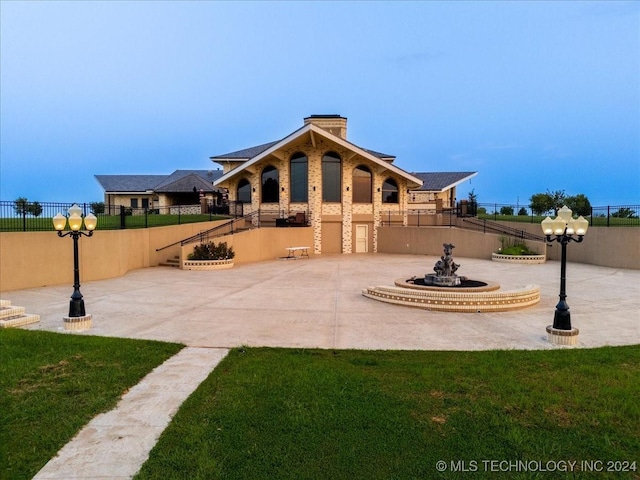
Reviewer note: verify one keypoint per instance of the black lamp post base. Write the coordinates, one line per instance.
(77, 323)
(562, 337)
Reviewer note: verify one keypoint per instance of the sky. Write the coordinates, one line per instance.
(534, 96)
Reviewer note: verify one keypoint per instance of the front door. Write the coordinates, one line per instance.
(362, 238)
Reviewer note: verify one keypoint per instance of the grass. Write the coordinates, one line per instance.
(107, 222)
(313, 414)
(52, 384)
(596, 221)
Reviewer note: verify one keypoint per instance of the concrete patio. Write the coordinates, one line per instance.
(301, 303)
(318, 303)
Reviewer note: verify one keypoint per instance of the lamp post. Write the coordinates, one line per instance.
(563, 229)
(77, 319)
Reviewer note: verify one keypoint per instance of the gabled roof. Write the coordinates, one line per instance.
(209, 176)
(441, 181)
(129, 183)
(315, 130)
(202, 179)
(186, 184)
(246, 153)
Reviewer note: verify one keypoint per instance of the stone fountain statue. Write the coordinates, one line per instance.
(445, 269)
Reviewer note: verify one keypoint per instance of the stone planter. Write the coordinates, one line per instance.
(206, 264)
(523, 259)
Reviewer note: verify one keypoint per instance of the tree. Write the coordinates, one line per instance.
(579, 204)
(20, 205)
(506, 210)
(473, 198)
(544, 202)
(23, 207)
(522, 212)
(34, 209)
(97, 207)
(540, 203)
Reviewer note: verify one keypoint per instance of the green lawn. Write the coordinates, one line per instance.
(594, 222)
(53, 384)
(107, 222)
(315, 414)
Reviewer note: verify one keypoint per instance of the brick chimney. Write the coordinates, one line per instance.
(334, 124)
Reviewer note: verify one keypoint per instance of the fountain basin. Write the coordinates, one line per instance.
(443, 299)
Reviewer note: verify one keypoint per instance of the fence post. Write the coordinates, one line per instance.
(24, 219)
(179, 211)
(122, 225)
(146, 218)
(608, 214)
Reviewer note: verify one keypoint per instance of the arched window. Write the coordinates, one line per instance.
(389, 191)
(299, 178)
(244, 191)
(270, 185)
(331, 177)
(362, 185)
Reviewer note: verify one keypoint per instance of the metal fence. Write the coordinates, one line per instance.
(37, 216)
(608, 216)
(18, 216)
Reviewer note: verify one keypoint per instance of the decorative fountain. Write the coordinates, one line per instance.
(445, 291)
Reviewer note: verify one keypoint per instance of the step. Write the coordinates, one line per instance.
(171, 262)
(11, 312)
(19, 321)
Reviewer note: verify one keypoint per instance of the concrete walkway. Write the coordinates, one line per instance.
(115, 444)
(307, 303)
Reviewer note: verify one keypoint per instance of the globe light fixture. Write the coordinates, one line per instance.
(77, 318)
(563, 229)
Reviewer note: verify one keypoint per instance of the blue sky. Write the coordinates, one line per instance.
(534, 96)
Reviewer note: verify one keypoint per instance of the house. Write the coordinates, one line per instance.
(344, 191)
(159, 192)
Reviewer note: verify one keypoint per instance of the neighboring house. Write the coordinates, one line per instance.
(156, 192)
(344, 191)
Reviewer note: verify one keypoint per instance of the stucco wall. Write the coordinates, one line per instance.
(606, 246)
(263, 243)
(35, 259)
(617, 247)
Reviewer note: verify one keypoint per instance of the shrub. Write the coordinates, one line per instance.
(211, 251)
(514, 247)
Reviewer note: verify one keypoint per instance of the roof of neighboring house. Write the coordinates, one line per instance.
(129, 183)
(178, 181)
(441, 181)
(310, 128)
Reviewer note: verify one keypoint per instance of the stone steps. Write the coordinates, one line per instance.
(171, 262)
(11, 316)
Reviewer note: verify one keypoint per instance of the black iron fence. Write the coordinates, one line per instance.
(17, 216)
(608, 216)
(37, 216)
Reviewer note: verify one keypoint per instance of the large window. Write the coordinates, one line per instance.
(270, 185)
(299, 178)
(389, 191)
(331, 177)
(244, 191)
(362, 184)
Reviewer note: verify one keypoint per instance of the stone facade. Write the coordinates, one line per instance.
(349, 212)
